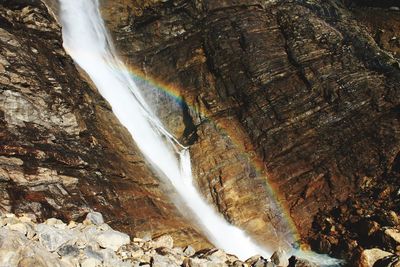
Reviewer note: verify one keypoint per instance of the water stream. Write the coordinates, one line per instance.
(87, 41)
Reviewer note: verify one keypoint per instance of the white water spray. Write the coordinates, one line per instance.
(86, 40)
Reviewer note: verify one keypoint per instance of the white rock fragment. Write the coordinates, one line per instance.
(91, 262)
(163, 261)
(53, 238)
(112, 239)
(189, 251)
(94, 218)
(19, 227)
(165, 241)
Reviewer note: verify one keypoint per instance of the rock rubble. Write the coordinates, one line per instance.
(91, 243)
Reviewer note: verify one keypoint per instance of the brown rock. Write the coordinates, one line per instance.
(62, 151)
(296, 92)
(370, 256)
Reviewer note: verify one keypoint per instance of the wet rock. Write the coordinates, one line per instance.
(279, 258)
(322, 245)
(222, 70)
(63, 152)
(297, 262)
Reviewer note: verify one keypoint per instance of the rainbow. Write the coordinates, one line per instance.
(174, 92)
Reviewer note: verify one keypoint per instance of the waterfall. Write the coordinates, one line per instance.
(86, 40)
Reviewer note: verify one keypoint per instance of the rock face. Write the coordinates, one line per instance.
(296, 92)
(62, 151)
(288, 106)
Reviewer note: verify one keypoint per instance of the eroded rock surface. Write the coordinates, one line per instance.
(62, 151)
(296, 91)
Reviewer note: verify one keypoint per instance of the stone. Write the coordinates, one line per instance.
(10, 221)
(52, 238)
(238, 263)
(95, 218)
(19, 227)
(92, 253)
(392, 261)
(393, 235)
(298, 262)
(68, 250)
(27, 218)
(366, 228)
(189, 251)
(31, 261)
(70, 261)
(369, 257)
(196, 262)
(145, 258)
(216, 256)
(54, 221)
(392, 218)
(163, 261)
(17, 250)
(72, 224)
(91, 262)
(323, 245)
(137, 253)
(256, 261)
(163, 241)
(279, 258)
(178, 251)
(112, 239)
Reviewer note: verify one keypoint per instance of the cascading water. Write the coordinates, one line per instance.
(87, 41)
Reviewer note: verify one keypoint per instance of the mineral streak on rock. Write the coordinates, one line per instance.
(62, 151)
(303, 84)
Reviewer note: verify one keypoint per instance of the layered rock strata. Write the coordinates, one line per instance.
(302, 93)
(62, 151)
(296, 92)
